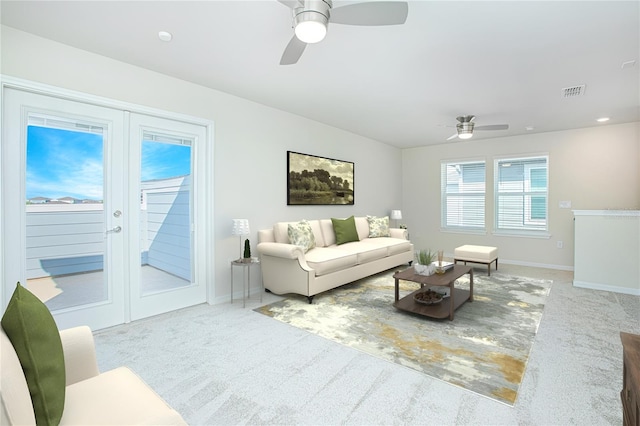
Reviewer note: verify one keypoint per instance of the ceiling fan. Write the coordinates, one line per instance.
(466, 126)
(311, 19)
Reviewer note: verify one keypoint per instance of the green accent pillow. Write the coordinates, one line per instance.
(345, 230)
(301, 234)
(36, 340)
(378, 226)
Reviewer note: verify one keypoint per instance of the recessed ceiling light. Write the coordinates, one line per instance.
(529, 128)
(165, 36)
(603, 119)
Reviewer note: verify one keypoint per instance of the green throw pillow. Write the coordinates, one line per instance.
(301, 234)
(36, 339)
(345, 230)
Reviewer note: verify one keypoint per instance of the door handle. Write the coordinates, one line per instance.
(114, 230)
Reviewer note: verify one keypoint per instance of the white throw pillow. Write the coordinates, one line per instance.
(301, 234)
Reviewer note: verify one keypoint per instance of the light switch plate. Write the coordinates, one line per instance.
(565, 204)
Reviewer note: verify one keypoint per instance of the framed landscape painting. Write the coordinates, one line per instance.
(318, 180)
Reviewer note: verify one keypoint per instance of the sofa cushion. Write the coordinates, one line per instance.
(369, 254)
(362, 227)
(397, 245)
(393, 246)
(281, 232)
(378, 226)
(117, 397)
(325, 260)
(16, 407)
(301, 234)
(329, 235)
(36, 340)
(345, 230)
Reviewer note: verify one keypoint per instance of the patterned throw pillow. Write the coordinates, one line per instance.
(378, 226)
(301, 234)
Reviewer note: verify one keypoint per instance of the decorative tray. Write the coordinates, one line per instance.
(428, 297)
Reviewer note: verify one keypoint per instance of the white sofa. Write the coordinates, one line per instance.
(116, 397)
(286, 268)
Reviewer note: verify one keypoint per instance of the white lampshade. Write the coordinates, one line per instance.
(241, 227)
(396, 214)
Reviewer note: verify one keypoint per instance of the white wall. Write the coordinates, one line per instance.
(250, 140)
(594, 168)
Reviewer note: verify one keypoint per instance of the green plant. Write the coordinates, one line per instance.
(425, 257)
(247, 249)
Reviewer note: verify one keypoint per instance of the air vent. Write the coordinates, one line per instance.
(572, 92)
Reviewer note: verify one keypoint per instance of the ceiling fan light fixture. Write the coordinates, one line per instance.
(310, 22)
(310, 30)
(465, 130)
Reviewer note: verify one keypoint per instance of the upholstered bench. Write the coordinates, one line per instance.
(476, 254)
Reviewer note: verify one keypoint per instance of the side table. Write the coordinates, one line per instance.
(246, 267)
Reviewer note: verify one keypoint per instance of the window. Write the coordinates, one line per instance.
(521, 194)
(463, 195)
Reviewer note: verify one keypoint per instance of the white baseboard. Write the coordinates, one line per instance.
(607, 287)
(521, 263)
(237, 298)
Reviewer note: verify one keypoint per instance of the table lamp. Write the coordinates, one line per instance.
(396, 215)
(240, 228)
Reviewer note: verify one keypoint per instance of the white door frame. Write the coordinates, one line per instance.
(205, 246)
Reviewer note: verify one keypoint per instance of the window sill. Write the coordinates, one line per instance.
(522, 234)
(464, 231)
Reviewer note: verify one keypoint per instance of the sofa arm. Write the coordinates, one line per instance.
(399, 233)
(79, 354)
(286, 251)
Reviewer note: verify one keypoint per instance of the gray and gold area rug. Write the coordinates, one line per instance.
(484, 349)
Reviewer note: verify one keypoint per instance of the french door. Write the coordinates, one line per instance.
(162, 263)
(99, 209)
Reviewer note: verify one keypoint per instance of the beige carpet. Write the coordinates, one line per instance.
(484, 350)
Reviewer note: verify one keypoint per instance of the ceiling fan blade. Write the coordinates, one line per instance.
(455, 135)
(493, 127)
(290, 3)
(293, 51)
(371, 13)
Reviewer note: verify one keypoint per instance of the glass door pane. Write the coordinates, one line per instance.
(65, 242)
(165, 213)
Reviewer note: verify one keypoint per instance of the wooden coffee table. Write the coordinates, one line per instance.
(457, 296)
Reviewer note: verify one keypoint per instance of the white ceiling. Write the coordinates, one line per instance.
(505, 62)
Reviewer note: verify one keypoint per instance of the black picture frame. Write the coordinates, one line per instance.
(314, 180)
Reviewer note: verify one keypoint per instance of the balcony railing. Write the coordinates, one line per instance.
(67, 239)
